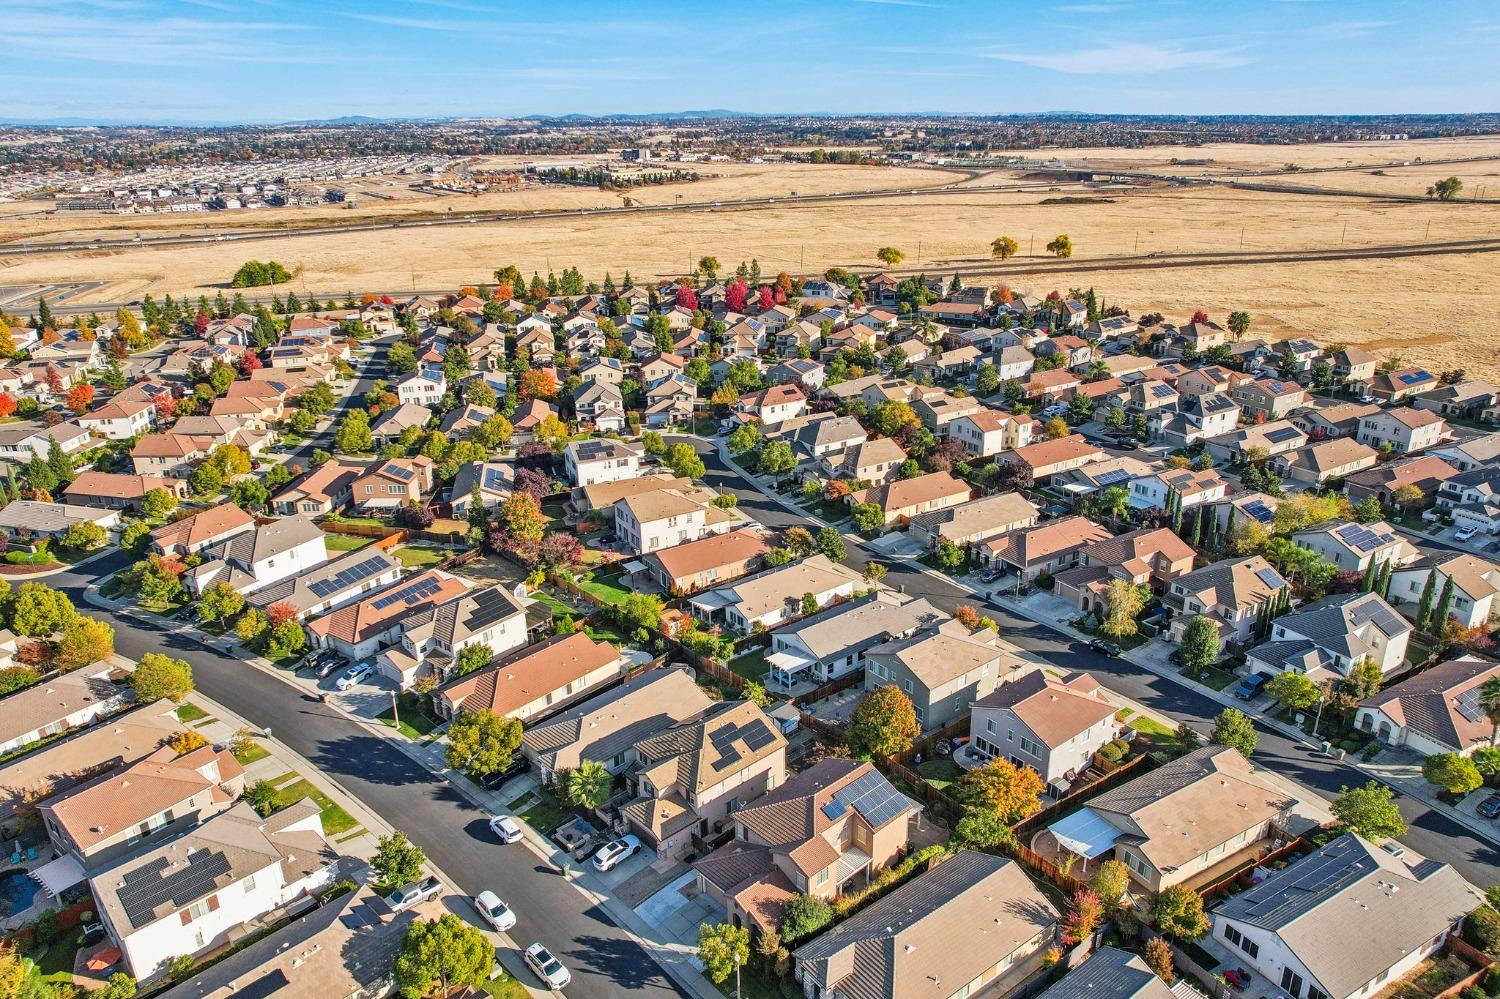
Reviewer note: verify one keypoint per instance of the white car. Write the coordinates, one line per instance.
(611, 853)
(546, 967)
(353, 675)
(494, 911)
(506, 828)
(1465, 533)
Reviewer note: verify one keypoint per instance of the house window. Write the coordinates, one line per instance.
(989, 726)
(1232, 935)
(1252, 948)
(1030, 748)
(1291, 982)
(250, 884)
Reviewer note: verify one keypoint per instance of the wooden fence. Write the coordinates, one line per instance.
(1134, 767)
(1187, 967)
(1240, 879)
(362, 530)
(852, 679)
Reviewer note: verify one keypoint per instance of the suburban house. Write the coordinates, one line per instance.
(1052, 724)
(1354, 366)
(1466, 399)
(1435, 711)
(948, 926)
(826, 829)
(590, 462)
(391, 424)
(939, 410)
(535, 681)
(1339, 420)
(1315, 464)
(35, 520)
(193, 534)
(432, 638)
(331, 585)
(1269, 398)
(987, 432)
(605, 728)
(1425, 472)
(975, 521)
(1473, 498)
(1116, 973)
(1274, 438)
(1400, 385)
(490, 482)
(1194, 418)
(1402, 430)
(865, 461)
(773, 596)
(829, 436)
(62, 701)
(1151, 557)
(1345, 920)
(1471, 453)
(1189, 486)
(832, 643)
(119, 420)
(393, 483)
(422, 388)
(690, 778)
(907, 498)
(1352, 547)
(192, 893)
(772, 405)
(943, 667)
(325, 489)
(357, 630)
(1172, 825)
(709, 561)
(1329, 637)
(1475, 583)
(650, 521)
(1050, 547)
(254, 559)
(31, 442)
(119, 491)
(1047, 458)
(1229, 594)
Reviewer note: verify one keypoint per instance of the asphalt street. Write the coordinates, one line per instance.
(604, 960)
(1432, 833)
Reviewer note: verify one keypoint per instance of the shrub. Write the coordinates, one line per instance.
(1482, 929)
(1110, 753)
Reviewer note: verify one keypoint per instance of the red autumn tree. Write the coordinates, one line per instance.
(687, 298)
(784, 283)
(166, 408)
(736, 295)
(1006, 295)
(966, 616)
(1054, 296)
(280, 612)
(538, 383)
(7, 405)
(767, 298)
(780, 296)
(200, 322)
(79, 398)
(54, 380)
(503, 292)
(387, 300)
(250, 361)
(1200, 316)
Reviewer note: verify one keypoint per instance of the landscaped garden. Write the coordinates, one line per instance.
(417, 720)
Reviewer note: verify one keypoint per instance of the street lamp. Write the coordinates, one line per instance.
(736, 975)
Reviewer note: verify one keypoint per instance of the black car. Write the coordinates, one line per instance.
(1126, 443)
(517, 767)
(1489, 808)
(1106, 648)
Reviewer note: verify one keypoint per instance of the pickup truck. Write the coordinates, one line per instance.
(416, 893)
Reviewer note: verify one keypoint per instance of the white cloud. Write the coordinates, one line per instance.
(1124, 58)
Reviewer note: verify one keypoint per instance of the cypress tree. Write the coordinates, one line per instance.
(1424, 608)
(1385, 578)
(1371, 575)
(1444, 609)
(1197, 532)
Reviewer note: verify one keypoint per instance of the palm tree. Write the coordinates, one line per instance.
(589, 784)
(1489, 703)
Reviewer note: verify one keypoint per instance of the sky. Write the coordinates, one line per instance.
(281, 60)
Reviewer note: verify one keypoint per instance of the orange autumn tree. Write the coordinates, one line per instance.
(7, 405)
(79, 398)
(538, 384)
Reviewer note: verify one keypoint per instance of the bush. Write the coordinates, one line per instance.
(1110, 753)
(1482, 929)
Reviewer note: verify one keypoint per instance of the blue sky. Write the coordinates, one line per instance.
(276, 60)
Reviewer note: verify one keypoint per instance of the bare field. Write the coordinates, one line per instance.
(1227, 157)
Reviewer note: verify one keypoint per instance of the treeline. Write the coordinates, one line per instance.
(598, 177)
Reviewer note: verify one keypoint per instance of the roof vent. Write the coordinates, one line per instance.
(909, 948)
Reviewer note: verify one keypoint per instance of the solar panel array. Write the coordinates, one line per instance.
(494, 478)
(489, 606)
(1468, 704)
(1412, 377)
(1112, 478)
(350, 576)
(409, 594)
(754, 734)
(399, 471)
(1282, 434)
(1271, 578)
(1162, 391)
(1259, 510)
(1359, 537)
(873, 797)
(147, 887)
(835, 809)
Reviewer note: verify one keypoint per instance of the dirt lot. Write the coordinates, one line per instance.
(1434, 310)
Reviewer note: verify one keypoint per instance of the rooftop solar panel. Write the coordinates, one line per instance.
(1259, 510)
(176, 885)
(1111, 478)
(835, 809)
(1468, 704)
(1271, 578)
(1282, 434)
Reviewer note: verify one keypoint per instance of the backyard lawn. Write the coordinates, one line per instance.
(414, 557)
(606, 588)
(344, 543)
(751, 666)
(940, 773)
(335, 819)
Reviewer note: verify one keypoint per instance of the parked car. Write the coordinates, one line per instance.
(416, 893)
(506, 828)
(518, 766)
(1489, 808)
(330, 665)
(1250, 687)
(1105, 648)
(353, 675)
(546, 967)
(1126, 443)
(613, 852)
(1465, 533)
(495, 912)
(93, 933)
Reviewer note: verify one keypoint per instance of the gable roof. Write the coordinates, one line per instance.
(1055, 708)
(904, 493)
(530, 674)
(603, 726)
(711, 552)
(1441, 703)
(200, 528)
(1110, 973)
(1031, 544)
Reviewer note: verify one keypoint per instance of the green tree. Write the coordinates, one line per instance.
(640, 610)
(158, 676)
(37, 610)
(206, 481)
(1004, 248)
(250, 494)
(353, 435)
(1295, 691)
(983, 829)
(1239, 324)
(883, 723)
(1453, 773)
(1424, 607)
(803, 916)
(889, 255)
(1444, 608)
(831, 543)
(1111, 881)
(119, 986)
(85, 536)
(397, 861)
(1446, 189)
(684, 461)
(285, 640)
(219, 602)
(1124, 602)
(589, 784)
(653, 443)
(481, 743)
(722, 948)
(443, 953)
(867, 516)
(744, 439)
(987, 382)
(1014, 792)
(1199, 645)
(251, 625)
(85, 641)
(950, 557)
(1234, 729)
(1178, 912)
(1061, 246)
(776, 459)
(1369, 811)
(158, 503)
(471, 658)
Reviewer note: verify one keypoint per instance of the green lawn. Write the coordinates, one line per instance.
(559, 609)
(605, 589)
(543, 810)
(419, 558)
(751, 666)
(505, 987)
(249, 756)
(1211, 676)
(940, 773)
(753, 985)
(335, 819)
(606, 633)
(344, 542)
(416, 721)
(190, 712)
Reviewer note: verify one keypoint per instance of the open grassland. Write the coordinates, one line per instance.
(1433, 310)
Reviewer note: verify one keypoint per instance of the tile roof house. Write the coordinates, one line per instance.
(36, 520)
(1329, 459)
(1471, 453)
(1151, 557)
(866, 461)
(119, 491)
(1272, 398)
(1327, 638)
(1193, 419)
(324, 489)
(1426, 472)
(828, 828)
(254, 559)
(975, 521)
(1339, 420)
(1354, 366)
(392, 483)
(987, 432)
(432, 638)
(58, 703)
(1399, 385)
(772, 405)
(535, 681)
(943, 667)
(772, 596)
(1047, 458)
(331, 585)
(830, 438)
(1229, 593)
(967, 924)
(590, 462)
(606, 727)
(1050, 547)
(1402, 430)
(1345, 920)
(1189, 486)
(832, 643)
(710, 561)
(119, 420)
(392, 423)
(195, 533)
(1352, 547)
(1052, 724)
(1436, 711)
(649, 521)
(493, 480)
(940, 410)
(689, 778)
(1466, 399)
(1178, 820)
(904, 499)
(357, 630)
(1475, 583)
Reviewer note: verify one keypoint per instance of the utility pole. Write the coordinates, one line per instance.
(396, 711)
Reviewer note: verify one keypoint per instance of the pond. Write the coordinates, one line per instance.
(17, 891)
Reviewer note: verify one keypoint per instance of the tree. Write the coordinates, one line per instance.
(803, 916)
(1407, 497)
(874, 572)
(1239, 323)
(481, 743)
(158, 503)
(537, 383)
(776, 459)
(79, 398)
(1199, 645)
(206, 480)
(1364, 679)
(1423, 619)
(85, 536)
(397, 861)
(1084, 914)
(1292, 690)
(983, 829)
(889, 255)
(684, 461)
(1124, 602)
(37, 610)
(1369, 811)
(251, 625)
(1234, 729)
(445, 952)
(743, 439)
(987, 382)
(722, 948)
(254, 273)
(1444, 608)
(640, 610)
(1158, 957)
(285, 640)
(883, 723)
(522, 524)
(1056, 428)
(186, 741)
(250, 494)
(353, 435)
(950, 557)
(1014, 792)
(589, 784)
(85, 641)
(7, 404)
(867, 516)
(1178, 912)
(119, 986)
(1446, 189)
(831, 543)
(1453, 773)
(1004, 248)
(1489, 703)
(1111, 881)
(1062, 246)
(159, 676)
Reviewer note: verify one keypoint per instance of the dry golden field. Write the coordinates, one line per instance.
(1434, 310)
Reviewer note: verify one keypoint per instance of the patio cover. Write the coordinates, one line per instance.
(710, 601)
(634, 566)
(1085, 834)
(788, 662)
(59, 875)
